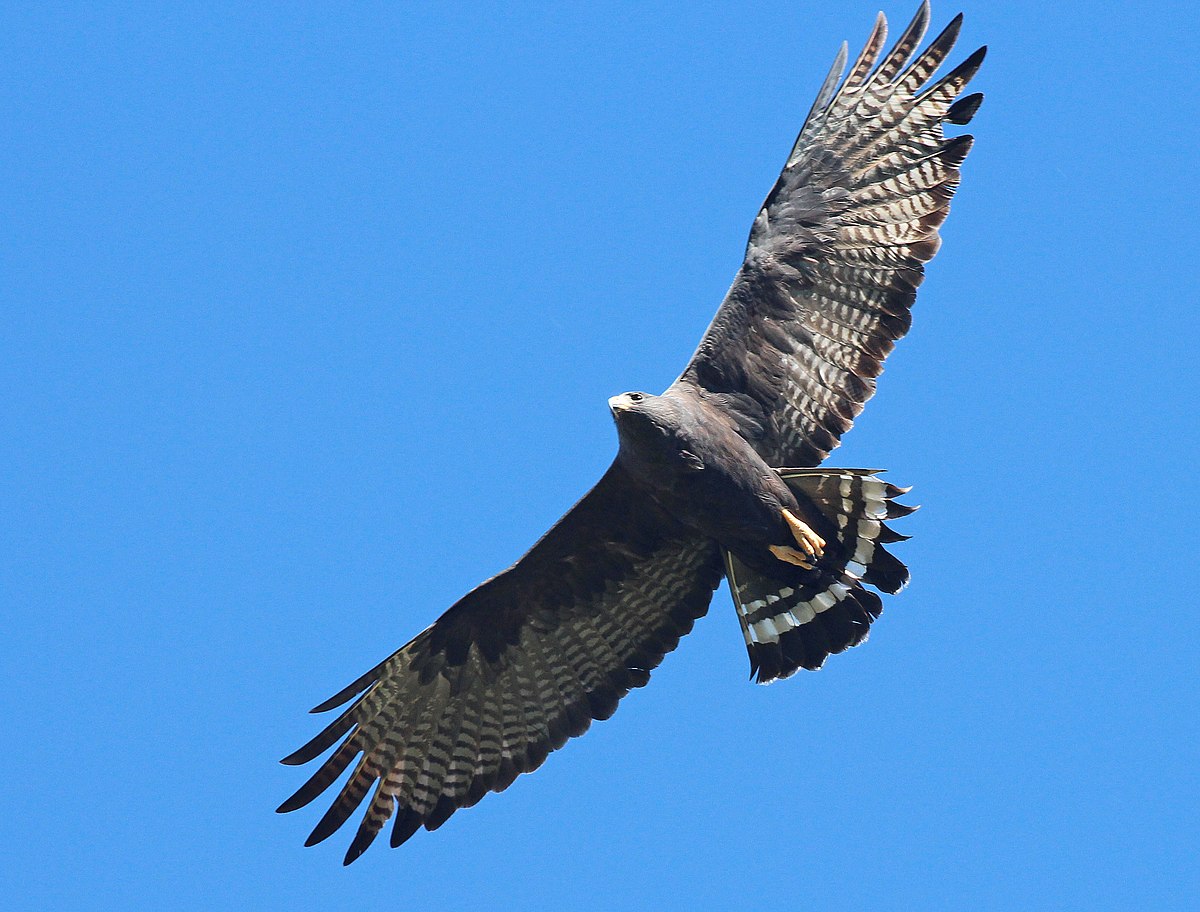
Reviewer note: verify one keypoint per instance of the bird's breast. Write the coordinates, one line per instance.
(711, 480)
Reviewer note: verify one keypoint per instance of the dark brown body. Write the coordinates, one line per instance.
(695, 465)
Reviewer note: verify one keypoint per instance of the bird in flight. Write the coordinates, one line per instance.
(716, 478)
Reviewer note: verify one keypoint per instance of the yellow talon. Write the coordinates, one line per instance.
(791, 556)
(812, 544)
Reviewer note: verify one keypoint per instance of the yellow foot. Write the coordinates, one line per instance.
(791, 555)
(809, 541)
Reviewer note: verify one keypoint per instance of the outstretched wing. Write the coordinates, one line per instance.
(838, 250)
(515, 668)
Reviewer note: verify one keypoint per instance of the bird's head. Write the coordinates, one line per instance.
(639, 414)
(650, 430)
(630, 402)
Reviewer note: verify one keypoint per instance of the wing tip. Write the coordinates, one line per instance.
(829, 86)
(334, 702)
(303, 754)
(315, 837)
(966, 70)
(297, 800)
(362, 841)
(405, 824)
(962, 111)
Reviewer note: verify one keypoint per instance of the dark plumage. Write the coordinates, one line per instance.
(714, 478)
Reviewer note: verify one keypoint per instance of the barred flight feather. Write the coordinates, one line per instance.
(498, 682)
(842, 239)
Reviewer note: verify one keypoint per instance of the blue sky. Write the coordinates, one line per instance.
(310, 316)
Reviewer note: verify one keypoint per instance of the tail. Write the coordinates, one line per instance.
(793, 625)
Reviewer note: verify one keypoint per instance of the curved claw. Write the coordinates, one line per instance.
(809, 541)
(791, 556)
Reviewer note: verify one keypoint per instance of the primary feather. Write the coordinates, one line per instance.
(838, 249)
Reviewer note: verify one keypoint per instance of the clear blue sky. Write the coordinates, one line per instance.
(309, 319)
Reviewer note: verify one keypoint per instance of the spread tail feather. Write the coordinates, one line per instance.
(792, 625)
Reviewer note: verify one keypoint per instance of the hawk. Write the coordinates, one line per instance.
(715, 478)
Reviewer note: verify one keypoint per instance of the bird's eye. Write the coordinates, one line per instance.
(636, 397)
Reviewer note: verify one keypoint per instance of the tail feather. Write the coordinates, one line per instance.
(799, 624)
